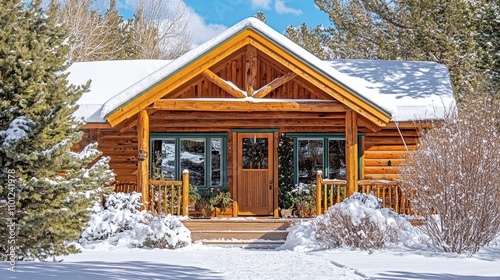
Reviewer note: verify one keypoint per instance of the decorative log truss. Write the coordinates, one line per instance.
(254, 50)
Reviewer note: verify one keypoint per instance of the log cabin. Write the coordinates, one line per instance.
(220, 109)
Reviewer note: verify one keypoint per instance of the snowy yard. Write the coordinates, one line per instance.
(204, 262)
(116, 256)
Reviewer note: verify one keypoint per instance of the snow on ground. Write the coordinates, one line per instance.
(204, 262)
(118, 258)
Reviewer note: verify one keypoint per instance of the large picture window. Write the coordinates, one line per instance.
(203, 155)
(318, 152)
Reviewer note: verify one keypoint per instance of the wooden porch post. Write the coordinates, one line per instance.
(319, 179)
(351, 135)
(143, 160)
(185, 192)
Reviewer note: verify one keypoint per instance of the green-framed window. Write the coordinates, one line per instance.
(313, 152)
(204, 155)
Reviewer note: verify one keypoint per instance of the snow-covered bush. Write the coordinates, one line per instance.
(120, 223)
(455, 176)
(357, 222)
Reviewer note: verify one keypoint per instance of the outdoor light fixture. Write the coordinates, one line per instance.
(142, 154)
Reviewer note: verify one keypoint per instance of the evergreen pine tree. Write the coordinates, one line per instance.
(309, 39)
(260, 16)
(52, 187)
(463, 35)
(115, 35)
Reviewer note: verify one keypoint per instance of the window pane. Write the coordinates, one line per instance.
(216, 151)
(310, 159)
(336, 159)
(163, 162)
(193, 159)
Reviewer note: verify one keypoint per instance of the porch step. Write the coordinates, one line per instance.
(251, 233)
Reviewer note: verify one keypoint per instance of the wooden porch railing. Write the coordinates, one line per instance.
(169, 197)
(329, 192)
(126, 187)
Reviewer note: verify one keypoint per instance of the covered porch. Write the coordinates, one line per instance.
(221, 110)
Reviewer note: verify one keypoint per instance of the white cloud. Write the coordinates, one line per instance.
(280, 7)
(200, 30)
(264, 4)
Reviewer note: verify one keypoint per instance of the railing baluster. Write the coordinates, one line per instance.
(152, 199)
(172, 199)
(165, 201)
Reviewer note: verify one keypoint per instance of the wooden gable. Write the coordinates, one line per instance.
(249, 73)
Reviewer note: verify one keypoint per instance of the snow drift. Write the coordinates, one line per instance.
(120, 224)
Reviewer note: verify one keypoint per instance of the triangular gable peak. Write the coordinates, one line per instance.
(250, 67)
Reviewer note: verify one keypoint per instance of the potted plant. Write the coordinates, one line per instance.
(304, 198)
(194, 196)
(215, 198)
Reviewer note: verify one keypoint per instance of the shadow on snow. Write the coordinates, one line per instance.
(107, 270)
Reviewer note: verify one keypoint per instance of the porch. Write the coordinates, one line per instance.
(163, 197)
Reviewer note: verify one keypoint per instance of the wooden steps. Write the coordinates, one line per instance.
(251, 232)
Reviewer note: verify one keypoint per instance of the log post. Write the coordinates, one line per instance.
(319, 179)
(251, 69)
(143, 160)
(185, 192)
(351, 127)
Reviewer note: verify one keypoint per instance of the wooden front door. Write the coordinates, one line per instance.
(255, 164)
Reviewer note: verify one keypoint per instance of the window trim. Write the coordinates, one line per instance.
(208, 159)
(325, 137)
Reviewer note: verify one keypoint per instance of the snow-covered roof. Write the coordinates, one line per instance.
(109, 78)
(413, 90)
(405, 90)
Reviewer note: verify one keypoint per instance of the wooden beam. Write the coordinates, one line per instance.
(197, 115)
(265, 90)
(269, 123)
(368, 124)
(95, 125)
(143, 148)
(251, 69)
(211, 76)
(125, 125)
(352, 165)
(247, 106)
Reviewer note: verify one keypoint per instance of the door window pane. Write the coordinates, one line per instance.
(192, 157)
(336, 159)
(255, 153)
(216, 163)
(310, 159)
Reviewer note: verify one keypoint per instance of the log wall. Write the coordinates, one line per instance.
(382, 152)
(120, 146)
(385, 151)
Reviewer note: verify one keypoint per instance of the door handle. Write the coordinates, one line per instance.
(270, 184)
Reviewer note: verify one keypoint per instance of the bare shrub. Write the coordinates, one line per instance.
(358, 222)
(455, 174)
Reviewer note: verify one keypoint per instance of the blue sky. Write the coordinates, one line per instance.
(209, 18)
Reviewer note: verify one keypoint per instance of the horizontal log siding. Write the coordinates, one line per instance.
(384, 152)
(120, 147)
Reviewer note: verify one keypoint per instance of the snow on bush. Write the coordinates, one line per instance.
(357, 222)
(121, 224)
(455, 177)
